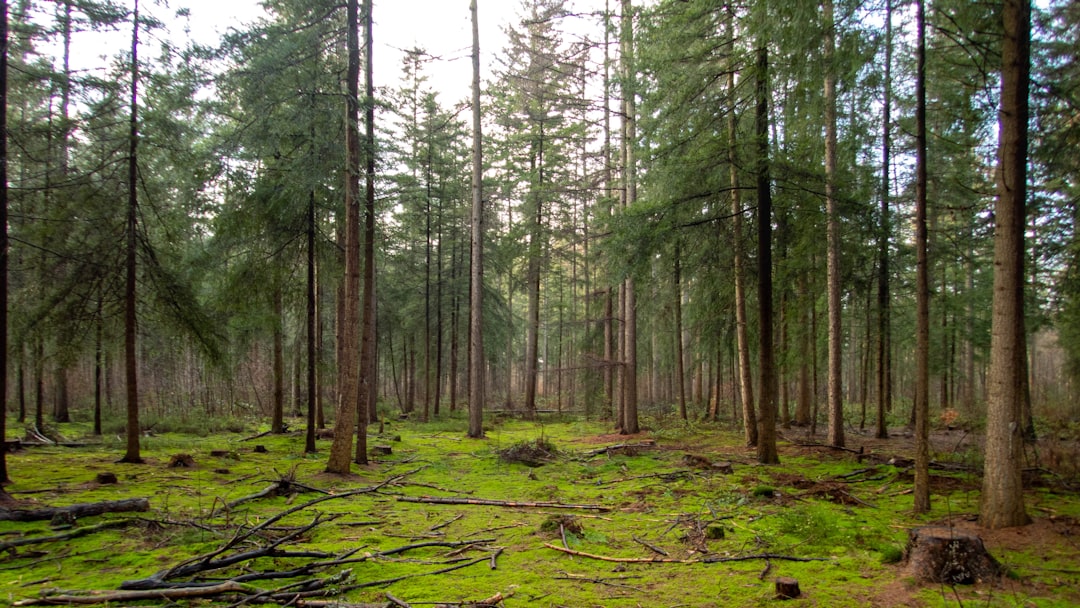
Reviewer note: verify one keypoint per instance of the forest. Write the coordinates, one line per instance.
(790, 235)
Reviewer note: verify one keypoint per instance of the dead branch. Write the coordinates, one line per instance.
(76, 511)
(83, 531)
(649, 546)
(102, 597)
(671, 560)
(620, 446)
(451, 500)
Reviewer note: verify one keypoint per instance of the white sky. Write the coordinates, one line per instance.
(442, 27)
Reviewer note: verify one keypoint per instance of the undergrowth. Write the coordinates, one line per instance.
(641, 503)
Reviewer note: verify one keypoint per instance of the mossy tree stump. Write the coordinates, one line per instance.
(937, 554)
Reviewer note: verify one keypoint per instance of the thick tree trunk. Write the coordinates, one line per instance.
(1002, 502)
(310, 334)
(277, 418)
(476, 288)
(884, 332)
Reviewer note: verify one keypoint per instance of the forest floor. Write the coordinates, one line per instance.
(554, 512)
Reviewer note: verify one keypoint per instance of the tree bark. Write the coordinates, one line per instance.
(348, 366)
(130, 319)
(4, 478)
(884, 332)
(766, 447)
(1002, 502)
(832, 218)
(366, 401)
(922, 280)
(630, 423)
(476, 274)
(742, 344)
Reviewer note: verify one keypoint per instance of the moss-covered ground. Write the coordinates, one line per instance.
(672, 500)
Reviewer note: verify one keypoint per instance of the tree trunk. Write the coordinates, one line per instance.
(277, 419)
(4, 478)
(366, 406)
(630, 405)
(476, 274)
(832, 218)
(130, 320)
(1002, 503)
(348, 366)
(884, 388)
(922, 281)
(746, 381)
(310, 334)
(766, 447)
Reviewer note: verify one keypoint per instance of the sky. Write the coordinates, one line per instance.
(442, 27)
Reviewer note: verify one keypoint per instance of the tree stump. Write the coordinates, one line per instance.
(787, 588)
(382, 450)
(106, 478)
(937, 554)
(260, 449)
(181, 461)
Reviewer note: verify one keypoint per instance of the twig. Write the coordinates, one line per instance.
(446, 523)
(494, 556)
(671, 560)
(649, 545)
(395, 601)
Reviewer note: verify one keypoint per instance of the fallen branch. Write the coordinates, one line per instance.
(76, 511)
(451, 500)
(83, 531)
(650, 546)
(620, 446)
(102, 597)
(672, 560)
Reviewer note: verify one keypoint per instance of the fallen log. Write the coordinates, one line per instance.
(76, 511)
(453, 500)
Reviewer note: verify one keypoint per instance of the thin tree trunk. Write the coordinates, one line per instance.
(1002, 502)
(680, 372)
(366, 406)
(130, 320)
(348, 367)
(922, 281)
(766, 446)
(4, 477)
(742, 342)
(832, 213)
(630, 398)
(884, 391)
(312, 352)
(277, 420)
(476, 288)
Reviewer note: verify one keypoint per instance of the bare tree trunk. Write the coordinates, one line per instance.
(476, 289)
(277, 420)
(630, 397)
(680, 372)
(366, 405)
(348, 367)
(922, 281)
(766, 447)
(130, 320)
(1002, 502)
(746, 381)
(884, 389)
(832, 213)
(312, 356)
(4, 477)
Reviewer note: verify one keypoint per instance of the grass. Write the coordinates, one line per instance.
(801, 508)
